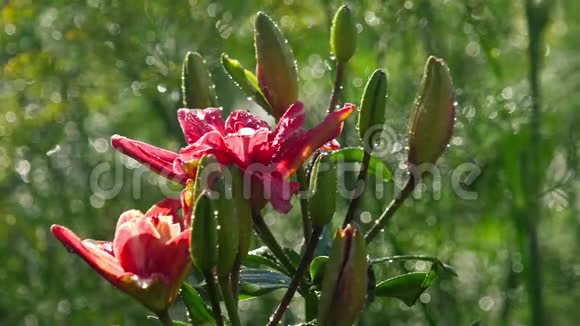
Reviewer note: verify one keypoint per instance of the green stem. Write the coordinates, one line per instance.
(235, 279)
(337, 86)
(306, 223)
(270, 241)
(361, 180)
(391, 209)
(213, 295)
(536, 16)
(231, 303)
(164, 318)
(298, 276)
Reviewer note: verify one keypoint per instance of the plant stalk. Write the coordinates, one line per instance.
(298, 276)
(391, 209)
(306, 223)
(337, 86)
(213, 295)
(270, 241)
(164, 318)
(230, 301)
(361, 180)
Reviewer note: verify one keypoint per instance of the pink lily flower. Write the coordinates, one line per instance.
(269, 157)
(148, 258)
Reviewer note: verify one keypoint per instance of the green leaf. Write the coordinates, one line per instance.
(196, 307)
(355, 154)
(246, 81)
(295, 257)
(256, 261)
(257, 282)
(261, 257)
(406, 287)
(317, 269)
(436, 262)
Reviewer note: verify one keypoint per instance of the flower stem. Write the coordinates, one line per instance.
(235, 279)
(270, 241)
(361, 180)
(391, 209)
(306, 259)
(164, 318)
(337, 86)
(231, 304)
(213, 294)
(306, 224)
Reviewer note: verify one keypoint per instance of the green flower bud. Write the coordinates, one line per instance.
(197, 89)
(433, 116)
(343, 35)
(227, 230)
(275, 66)
(242, 210)
(344, 286)
(203, 247)
(372, 107)
(322, 202)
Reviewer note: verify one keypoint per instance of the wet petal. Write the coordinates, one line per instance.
(249, 146)
(300, 150)
(196, 122)
(99, 259)
(136, 245)
(243, 119)
(290, 123)
(166, 207)
(157, 159)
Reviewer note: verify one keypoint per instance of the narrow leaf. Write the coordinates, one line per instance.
(196, 307)
(257, 282)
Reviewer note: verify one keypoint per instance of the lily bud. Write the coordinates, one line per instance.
(227, 230)
(197, 89)
(242, 210)
(343, 35)
(372, 108)
(148, 257)
(322, 202)
(203, 246)
(275, 66)
(433, 116)
(345, 280)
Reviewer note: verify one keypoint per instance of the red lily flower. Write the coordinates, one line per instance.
(148, 258)
(269, 157)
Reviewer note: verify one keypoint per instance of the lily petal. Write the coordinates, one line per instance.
(314, 138)
(243, 119)
(166, 207)
(196, 122)
(99, 259)
(157, 159)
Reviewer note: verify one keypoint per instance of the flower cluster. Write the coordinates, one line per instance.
(151, 254)
(269, 156)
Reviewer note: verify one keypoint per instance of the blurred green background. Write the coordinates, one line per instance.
(75, 72)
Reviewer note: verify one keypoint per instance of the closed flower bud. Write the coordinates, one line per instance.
(344, 286)
(343, 35)
(433, 116)
(275, 66)
(243, 211)
(372, 108)
(197, 88)
(227, 230)
(203, 246)
(322, 202)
